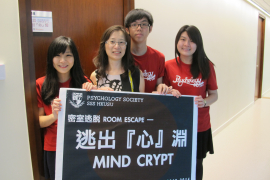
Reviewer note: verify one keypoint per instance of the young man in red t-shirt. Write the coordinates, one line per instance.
(139, 24)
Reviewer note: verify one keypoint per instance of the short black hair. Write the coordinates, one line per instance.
(137, 14)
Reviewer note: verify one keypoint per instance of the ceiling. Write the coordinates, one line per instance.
(264, 4)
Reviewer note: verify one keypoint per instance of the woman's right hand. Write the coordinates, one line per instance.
(56, 107)
(47, 120)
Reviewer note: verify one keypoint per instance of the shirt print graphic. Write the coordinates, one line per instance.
(149, 76)
(115, 84)
(191, 81)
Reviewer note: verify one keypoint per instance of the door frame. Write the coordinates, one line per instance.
(261, 58)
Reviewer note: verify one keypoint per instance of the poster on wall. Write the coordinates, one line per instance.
(105, 135)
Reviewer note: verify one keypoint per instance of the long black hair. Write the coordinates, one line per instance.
(50, 87)
(200, 61)
(101, 60)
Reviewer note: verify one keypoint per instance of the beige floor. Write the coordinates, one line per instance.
(242, 149)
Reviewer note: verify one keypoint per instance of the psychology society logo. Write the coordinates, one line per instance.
(77, 100)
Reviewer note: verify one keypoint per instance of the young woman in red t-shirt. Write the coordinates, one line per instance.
(192, 73)
(63, 70)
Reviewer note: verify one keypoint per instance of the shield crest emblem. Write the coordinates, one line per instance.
(77, 98)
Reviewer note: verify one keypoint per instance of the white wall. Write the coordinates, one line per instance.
(229, 31)
(15, 160)
(266, 72)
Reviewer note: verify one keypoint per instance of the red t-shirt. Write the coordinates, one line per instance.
(50, 132)
(152, 66)
(180, 78)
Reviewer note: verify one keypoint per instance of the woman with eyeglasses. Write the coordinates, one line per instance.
(115, 65)
(192, 73)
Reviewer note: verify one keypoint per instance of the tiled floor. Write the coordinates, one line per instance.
(242, 149)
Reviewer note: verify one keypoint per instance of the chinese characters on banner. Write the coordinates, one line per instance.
(122, 135)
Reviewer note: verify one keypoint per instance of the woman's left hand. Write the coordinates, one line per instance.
(199, 101)
(88, 86)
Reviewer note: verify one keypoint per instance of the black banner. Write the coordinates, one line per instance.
(122, 135)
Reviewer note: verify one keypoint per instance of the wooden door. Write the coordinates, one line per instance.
(82, 20)
(259, 61)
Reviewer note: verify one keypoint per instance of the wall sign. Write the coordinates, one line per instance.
(42, 21)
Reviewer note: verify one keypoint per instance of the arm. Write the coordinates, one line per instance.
(93, 78)
(142, 83)
(212, 97)
(159, 81)
(47, 120)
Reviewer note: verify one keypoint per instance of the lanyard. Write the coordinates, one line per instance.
(130, 80)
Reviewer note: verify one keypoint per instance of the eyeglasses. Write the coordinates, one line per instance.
(143, 25)
(113, 43)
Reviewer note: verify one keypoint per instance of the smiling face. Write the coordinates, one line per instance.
(63, 62)
(115, 46)
(140, 33)
(185, 46)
